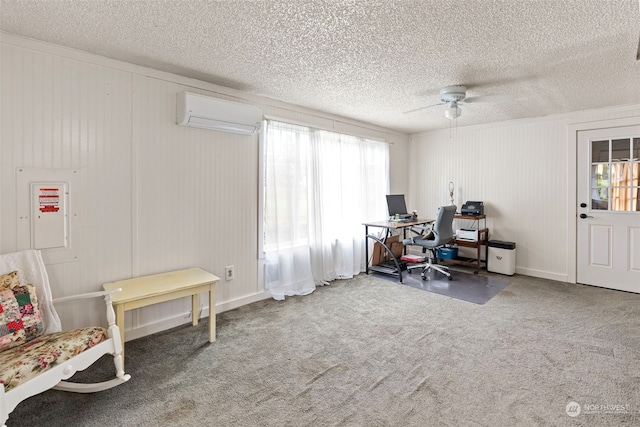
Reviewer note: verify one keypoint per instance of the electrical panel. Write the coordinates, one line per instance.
(49, 215)
(47, 208)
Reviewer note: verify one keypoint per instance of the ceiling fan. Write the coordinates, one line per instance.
(452, 96)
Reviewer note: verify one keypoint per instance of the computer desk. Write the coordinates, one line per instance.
(389, 226)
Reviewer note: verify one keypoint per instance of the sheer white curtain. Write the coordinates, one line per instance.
(320, 187)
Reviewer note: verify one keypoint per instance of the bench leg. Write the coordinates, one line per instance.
(195, 308)
(212, 313)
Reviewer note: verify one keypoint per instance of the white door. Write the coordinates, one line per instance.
(609, 208)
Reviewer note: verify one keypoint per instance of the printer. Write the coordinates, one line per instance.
(472, 208)
(467, 234)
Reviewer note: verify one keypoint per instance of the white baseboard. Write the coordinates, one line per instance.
(184, 318)
(542, 274)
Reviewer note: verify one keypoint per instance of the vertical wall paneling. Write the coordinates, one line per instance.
(520, 170)
(158, 197)
(195, 198)
(155, 196)
(60, 113)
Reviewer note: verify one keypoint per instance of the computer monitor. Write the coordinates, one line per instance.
(396, 204)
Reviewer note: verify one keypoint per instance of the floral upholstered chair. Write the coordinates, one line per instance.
(35, 355)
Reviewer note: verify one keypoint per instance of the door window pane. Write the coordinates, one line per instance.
(599, 151)
(620, 199)
(600, 198)
(600, 175)
(620, 149)
(620, 174)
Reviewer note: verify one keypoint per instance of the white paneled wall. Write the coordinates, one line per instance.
(154, 196)
(63, 113)
(196, 193)
(522, 172)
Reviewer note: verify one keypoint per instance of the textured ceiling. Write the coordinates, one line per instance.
(368, 60)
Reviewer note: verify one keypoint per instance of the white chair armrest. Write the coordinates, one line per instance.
(87, 295)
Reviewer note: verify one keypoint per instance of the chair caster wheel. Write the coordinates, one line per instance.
(450, 278)
(423, 277)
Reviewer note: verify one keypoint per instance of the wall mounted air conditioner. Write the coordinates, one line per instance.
(217, 114)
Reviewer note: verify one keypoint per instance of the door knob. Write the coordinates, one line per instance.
(583, 216)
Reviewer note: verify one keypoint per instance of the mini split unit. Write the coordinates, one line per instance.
(217, 114)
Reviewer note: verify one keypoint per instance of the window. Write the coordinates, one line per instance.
(615, 174)
(320, 187)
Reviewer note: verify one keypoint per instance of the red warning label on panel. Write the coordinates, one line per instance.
(49, 199)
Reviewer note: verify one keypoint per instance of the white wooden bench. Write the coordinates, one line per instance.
(147, 290)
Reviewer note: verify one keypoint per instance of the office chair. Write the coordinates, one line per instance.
(441, 234)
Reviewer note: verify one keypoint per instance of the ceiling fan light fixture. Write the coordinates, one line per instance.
(453, 111)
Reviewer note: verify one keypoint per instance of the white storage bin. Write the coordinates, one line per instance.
(502, 257)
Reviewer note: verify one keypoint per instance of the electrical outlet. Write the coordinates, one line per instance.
(228, 273)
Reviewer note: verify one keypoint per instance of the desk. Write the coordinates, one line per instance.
(142, 291)
(389, 226)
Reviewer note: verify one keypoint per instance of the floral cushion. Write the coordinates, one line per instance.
(9, 281)
(27, 361)
(20, 318)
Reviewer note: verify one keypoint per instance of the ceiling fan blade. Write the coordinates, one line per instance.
(424, 108)
(496, 99)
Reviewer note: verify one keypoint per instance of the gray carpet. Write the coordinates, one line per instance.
(367, 352)
(474, 288)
